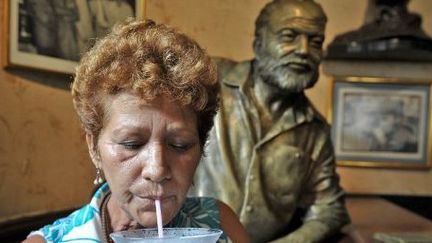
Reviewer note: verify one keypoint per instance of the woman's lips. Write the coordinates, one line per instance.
(149, 201)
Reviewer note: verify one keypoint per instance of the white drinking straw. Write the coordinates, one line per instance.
(159, 218)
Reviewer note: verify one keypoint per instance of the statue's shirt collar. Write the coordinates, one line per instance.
(239, 77)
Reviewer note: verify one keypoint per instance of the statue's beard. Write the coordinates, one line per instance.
(277, 73)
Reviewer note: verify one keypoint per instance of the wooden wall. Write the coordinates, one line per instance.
(44, 163)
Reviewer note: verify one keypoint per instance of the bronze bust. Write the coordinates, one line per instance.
(393, 34)
(270, 156)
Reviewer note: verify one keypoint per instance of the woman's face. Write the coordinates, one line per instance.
(148, 151)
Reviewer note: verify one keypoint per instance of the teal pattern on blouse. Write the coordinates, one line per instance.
(83, 225)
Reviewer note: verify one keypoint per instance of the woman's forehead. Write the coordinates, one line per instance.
(133, 107)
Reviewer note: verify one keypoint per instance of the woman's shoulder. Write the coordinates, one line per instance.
(203, 207)
(202, 203)
(63, 227)
(208, 212)
(198, 211)
(82, 220)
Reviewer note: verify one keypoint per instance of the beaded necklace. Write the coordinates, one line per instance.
(105, 219)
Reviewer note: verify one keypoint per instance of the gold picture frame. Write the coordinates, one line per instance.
(381, 122)
(36, 37)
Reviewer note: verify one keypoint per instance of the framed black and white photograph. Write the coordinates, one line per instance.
(381, 122)
(51, 34)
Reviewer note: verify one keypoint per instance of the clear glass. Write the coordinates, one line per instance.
(171, 235)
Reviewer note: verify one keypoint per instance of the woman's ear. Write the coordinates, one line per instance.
(93, 150)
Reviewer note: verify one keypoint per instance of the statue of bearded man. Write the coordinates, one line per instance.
(270, 156)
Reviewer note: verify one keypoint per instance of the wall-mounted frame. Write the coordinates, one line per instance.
(382, 122)
(51, 35)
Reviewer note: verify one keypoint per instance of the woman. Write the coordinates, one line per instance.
(146, 96)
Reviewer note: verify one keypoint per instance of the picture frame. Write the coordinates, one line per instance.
(51, 35)
(381, 122)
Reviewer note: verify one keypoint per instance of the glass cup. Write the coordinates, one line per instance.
(171, 235)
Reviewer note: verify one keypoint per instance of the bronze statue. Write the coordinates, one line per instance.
(270, 156)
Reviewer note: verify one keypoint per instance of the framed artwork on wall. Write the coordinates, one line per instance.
(382, 122)
(51, 35)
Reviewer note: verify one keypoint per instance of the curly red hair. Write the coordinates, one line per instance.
(149, 60)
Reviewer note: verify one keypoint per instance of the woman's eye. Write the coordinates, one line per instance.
(180, 147)
(131, 145)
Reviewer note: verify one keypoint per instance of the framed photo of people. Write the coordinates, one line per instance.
(381, 122)
(51, 35)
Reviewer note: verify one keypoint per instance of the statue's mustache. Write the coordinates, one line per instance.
(284, 62)
(297, 60)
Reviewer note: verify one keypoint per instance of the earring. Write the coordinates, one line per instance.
(99, 179)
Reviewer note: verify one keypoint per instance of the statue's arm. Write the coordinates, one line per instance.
(324, 200)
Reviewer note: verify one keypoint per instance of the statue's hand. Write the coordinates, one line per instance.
(310, 232)
(294, 238)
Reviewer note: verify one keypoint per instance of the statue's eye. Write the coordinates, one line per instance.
(287, 36)
(317, 41)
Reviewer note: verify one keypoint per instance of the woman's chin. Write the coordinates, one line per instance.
(149, 219)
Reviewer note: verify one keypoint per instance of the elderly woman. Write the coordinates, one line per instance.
(146, 96)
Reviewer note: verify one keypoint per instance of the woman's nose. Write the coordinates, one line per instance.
(155, 164)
